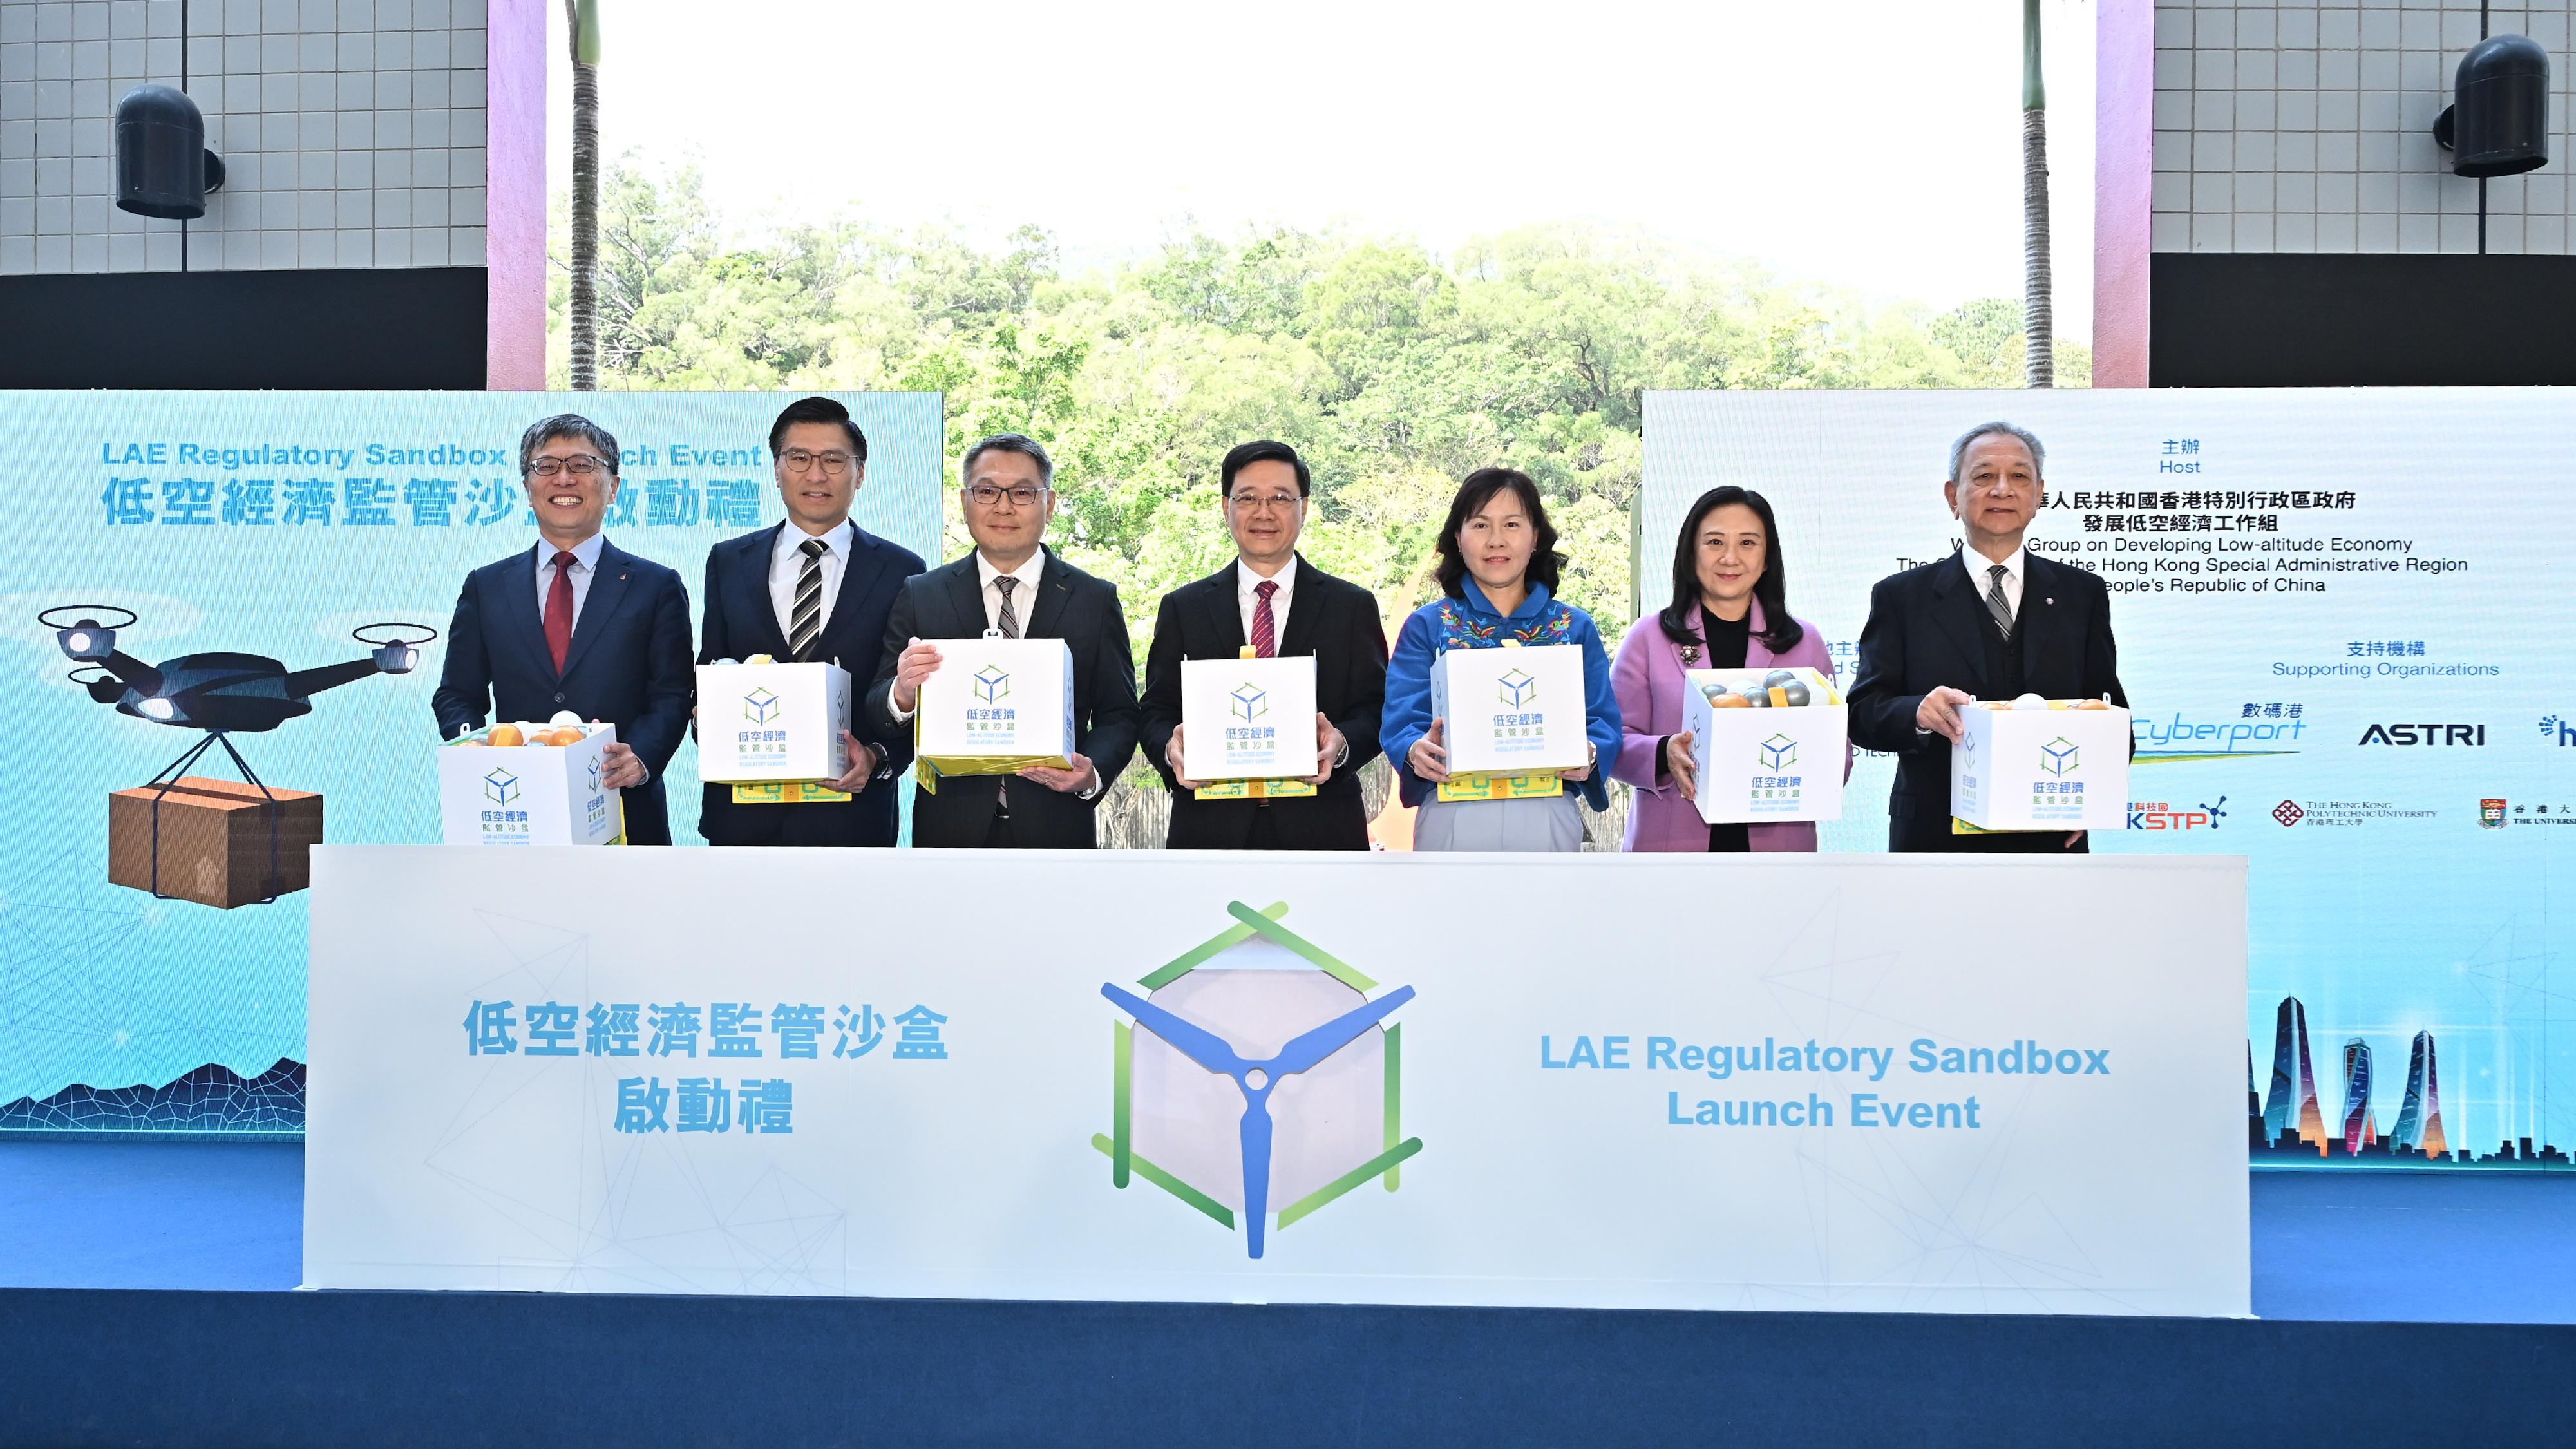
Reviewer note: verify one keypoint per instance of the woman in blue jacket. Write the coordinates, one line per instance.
(1498, 572)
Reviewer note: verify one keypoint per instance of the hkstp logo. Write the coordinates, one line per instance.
(500, 787)
(1197, 1079)
(2425, 734)
(2163, 815)
(992, 683)
(1250, 703)
(760, 706)
(2288, 812)
(2491, 814)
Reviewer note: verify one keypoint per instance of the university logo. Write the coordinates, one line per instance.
(1250, 703)
(1252, 1028)
(760, 706)
(2058, 756)
(2288, 812)
(1517, 688)
(992, 683)
(500, 787)
(2491, 814)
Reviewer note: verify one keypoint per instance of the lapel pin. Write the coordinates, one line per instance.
(2048, 601)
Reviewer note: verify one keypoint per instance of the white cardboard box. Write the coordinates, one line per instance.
(996, 704)
(2059, 768)
(761, 723)
(528, 794)
(1248, 719)
(1761, 766)
(1511, 710)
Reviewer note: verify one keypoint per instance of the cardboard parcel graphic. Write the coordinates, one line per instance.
(1257, 1070)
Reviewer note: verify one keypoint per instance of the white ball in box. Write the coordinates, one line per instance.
(1248, 719)
(2059, 768)
(528, 794)
(996, 699)
(1508, 711)
(1763, 766)
(762, 723)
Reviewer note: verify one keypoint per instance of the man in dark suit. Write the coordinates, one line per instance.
(1279, 604)
(1012, 583)
(814, 588)
(1992, 621)
(577, 624)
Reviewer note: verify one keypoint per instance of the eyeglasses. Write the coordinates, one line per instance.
(579, 465)
(834, 464)
(1275, 502)
(990, 496)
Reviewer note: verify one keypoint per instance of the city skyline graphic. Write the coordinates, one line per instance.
(2286, 1124)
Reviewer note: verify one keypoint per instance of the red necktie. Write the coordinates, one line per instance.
(1265, 633)
(559, 611)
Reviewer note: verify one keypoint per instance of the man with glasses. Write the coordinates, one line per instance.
(1992, 621)
(1013, 583)
(1274, 601)
(577, 624)
(815, 588)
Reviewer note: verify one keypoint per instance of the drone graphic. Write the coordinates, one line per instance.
(221, 693)
(1256, 1078)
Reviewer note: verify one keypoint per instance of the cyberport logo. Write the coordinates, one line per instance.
(1516, 688)
(2059, 756)
(500, 787)
(760, 706)
(2184, 738)
(2164, 815)
(992, 683)
(1249, 703)
(1197, 1078)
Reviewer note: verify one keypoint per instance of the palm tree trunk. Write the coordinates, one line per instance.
(584, 291)
(2039, 333)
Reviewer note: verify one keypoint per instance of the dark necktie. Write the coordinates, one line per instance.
(1010, 627)
(1265, 630)
(806, 615)
(1996, 603)
(559, 611)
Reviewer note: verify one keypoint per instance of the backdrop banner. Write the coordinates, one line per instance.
(275, 524)
(2343, 628)
(1883, 1084)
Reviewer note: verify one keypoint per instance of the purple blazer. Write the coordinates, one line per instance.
(1647, 678)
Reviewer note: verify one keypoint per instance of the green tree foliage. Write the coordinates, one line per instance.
(1394, 371)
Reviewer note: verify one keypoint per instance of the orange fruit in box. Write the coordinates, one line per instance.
(568, 736)
(507, 736)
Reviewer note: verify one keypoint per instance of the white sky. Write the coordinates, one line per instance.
(1874, 144)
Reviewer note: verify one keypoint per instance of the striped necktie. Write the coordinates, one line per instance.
(1996, 603)
(806, 618)
(1010, 627)
(1265, 629)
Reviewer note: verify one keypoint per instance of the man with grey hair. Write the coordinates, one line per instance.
(576, 623)
(1014, 584)
(1992, 621)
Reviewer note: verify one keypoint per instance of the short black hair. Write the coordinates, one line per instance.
(817, 410)
(568, 425)
(1020, 443)
(1545, 562)
(1244, 455)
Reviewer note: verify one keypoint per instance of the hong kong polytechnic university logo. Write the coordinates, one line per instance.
(1193, 1106)
(2288, 812)
(500, 787)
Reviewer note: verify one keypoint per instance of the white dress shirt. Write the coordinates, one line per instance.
(1978, 564)
(1246, 587)
(787, 567)
(1024, 595)
(585, 562)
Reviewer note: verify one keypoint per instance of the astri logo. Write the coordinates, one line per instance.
(760, 706)
(1252, 1014)
(500, 787)
(2184, 738)
(2558, 728)
(2425, 734)
(992, 683)
(2491, 814)
(1250, 703)
(2162, 815)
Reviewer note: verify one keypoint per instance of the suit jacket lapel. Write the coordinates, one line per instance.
(1054, 588)
(2041, 622)
(1960, 610)
(519, 603)
(608, 590)
(1218, 595)
(966, 595)
(858, 572)
(751, 595)
(1305, 611)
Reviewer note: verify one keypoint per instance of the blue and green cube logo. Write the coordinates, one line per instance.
(1257, 1070)
(992, 682)
(1779, 752)
(1517, 688)
(1250, 703)
(760, 706)
(500, 787)
(2057, 756)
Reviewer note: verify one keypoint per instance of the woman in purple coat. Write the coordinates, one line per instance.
(1730, 610)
